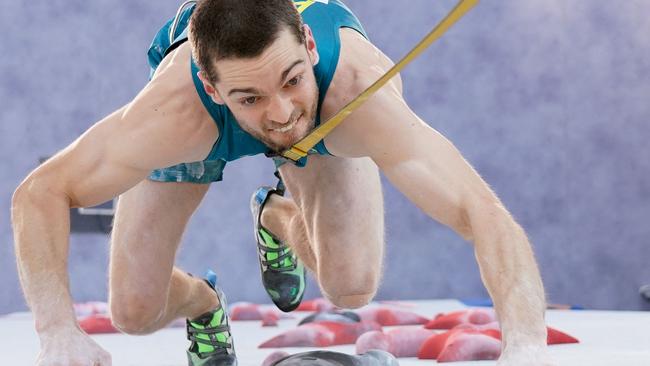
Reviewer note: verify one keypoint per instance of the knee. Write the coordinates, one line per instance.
(350, 290)
(136, 315)
(350, 300)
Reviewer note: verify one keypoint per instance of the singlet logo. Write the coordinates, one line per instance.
(303, 5)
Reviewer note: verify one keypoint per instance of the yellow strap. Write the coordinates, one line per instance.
(303, 5)
(302, 147)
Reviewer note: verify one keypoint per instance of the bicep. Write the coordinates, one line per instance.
(424, 165)
(418, 160)
(431, 172)
(161, 127)
(96, 167)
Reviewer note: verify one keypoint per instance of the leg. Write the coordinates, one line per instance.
(334, 223)
(146, 291)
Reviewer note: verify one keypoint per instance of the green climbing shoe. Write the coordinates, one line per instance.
(283, 275)
(210, 334)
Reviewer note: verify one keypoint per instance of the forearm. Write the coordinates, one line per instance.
(511, 276)
(41, 223)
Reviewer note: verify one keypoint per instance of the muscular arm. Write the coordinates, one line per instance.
(431, 172)
(164, 125)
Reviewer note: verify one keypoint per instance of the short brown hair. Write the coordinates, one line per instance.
(221, 29)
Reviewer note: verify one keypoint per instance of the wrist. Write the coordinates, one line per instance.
(532, 337)
(55, 326)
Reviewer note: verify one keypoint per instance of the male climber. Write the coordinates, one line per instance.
(256, 77)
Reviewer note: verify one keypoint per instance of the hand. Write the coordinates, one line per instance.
(535, 355)
(71, 347)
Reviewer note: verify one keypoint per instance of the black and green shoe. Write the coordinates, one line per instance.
(212, 343)
(283, 275)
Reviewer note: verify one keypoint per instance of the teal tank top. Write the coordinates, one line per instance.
(324, 17)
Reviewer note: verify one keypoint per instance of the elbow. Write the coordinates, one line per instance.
(19, 206)
(39, 213)
(20, 198)
(36, 192)
(28, 191)
(487, 220)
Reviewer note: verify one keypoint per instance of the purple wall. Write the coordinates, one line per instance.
(547, 99)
